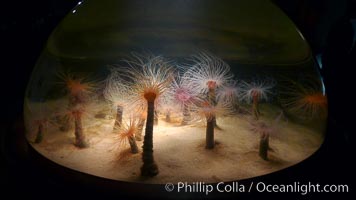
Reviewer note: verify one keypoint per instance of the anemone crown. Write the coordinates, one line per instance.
(207, 72)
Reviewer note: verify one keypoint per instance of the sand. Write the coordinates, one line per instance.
(179, 151)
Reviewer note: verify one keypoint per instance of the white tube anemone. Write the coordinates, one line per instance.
(256, 91)
(208, 111)
(148, 78)
(260, 89)
(118, 94)
(116, 91)
(208, 71)
(229, 92)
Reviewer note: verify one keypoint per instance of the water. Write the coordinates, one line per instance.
(248, 69)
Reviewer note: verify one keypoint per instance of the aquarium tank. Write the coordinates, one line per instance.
(166, 91)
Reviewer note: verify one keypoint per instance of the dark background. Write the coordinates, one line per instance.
(326, 24)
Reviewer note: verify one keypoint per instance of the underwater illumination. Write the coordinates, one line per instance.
(176, 91)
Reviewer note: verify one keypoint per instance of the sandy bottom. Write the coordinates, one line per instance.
(180, 152)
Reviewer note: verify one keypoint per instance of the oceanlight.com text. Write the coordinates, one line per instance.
(261, 187)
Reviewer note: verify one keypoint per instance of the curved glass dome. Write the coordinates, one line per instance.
(174, 91)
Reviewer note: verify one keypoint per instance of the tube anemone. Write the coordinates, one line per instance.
(207, 75)
(39, 117)
(79, 135)
(207, 72)
(304, 99)
(229, 92)
(80, 92)
(79, 88)
(117, 93)
(166, 107)
(39, 136)
(255, 91)
(127, 133)
(264, 131)
(149, 77)
(181, 94)
(140, 125)
(209, 111)
(76, 114)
